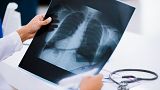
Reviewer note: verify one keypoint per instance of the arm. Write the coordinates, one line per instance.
(9, 44)
(13, 42)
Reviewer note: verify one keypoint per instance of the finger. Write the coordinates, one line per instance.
(47, 21)
(40, 17)
(100, 76)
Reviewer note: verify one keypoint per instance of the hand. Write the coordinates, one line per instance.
(28, 31)
(92, 83)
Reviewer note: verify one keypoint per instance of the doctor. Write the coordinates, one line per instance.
(13, 42)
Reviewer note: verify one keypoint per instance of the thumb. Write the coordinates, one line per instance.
(46, 21)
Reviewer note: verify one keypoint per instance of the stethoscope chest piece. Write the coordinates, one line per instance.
(123, 86)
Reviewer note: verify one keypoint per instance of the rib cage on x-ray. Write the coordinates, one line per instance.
(91, 40)
(67, 28)
(80, 41)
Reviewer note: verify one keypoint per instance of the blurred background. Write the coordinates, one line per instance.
(139, 48)
(27, 8)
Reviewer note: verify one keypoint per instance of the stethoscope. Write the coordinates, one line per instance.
(123, 85)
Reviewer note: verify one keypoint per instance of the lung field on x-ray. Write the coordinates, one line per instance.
(67, 28)
(91, 40)
(81, 40)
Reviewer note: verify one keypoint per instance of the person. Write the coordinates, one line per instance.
(13, 42)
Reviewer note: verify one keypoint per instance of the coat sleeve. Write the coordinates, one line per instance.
(10, 44)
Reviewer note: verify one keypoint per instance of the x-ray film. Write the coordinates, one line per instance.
(87, 34)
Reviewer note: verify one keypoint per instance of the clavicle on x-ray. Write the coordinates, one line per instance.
(81, 39)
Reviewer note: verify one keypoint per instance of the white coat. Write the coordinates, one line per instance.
(8, 45)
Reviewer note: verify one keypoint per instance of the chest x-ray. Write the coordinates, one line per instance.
(81, 42)
(87, 34)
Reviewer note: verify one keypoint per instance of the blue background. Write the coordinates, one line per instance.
(1, 35)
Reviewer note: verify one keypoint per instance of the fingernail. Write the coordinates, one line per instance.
(49, 19)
